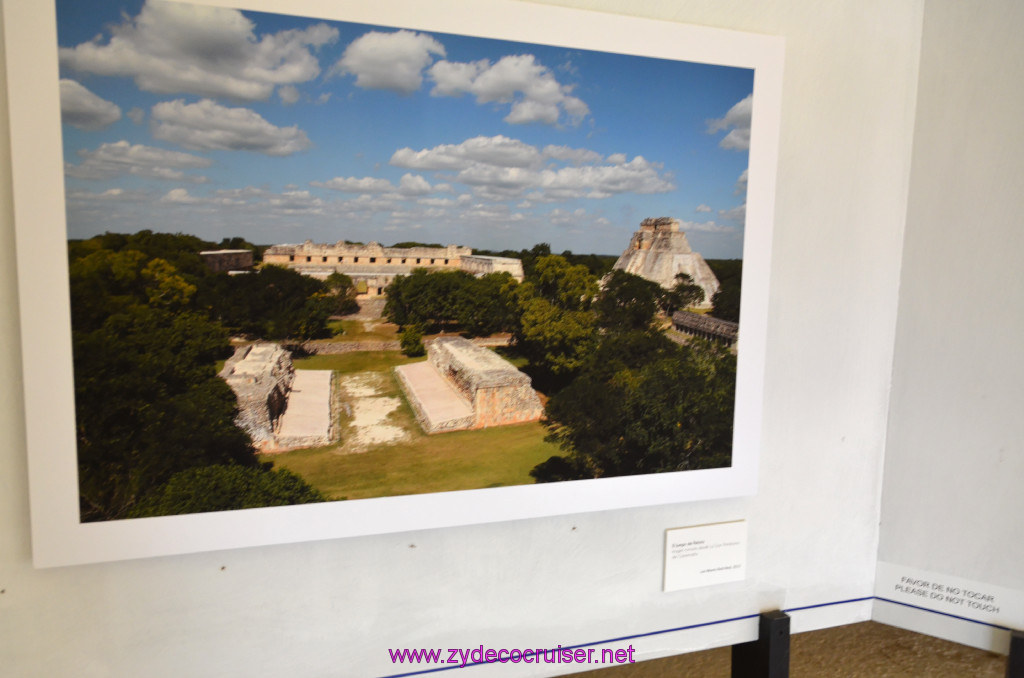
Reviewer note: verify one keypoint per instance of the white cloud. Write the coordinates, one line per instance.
(85, 110)
(741, 183)
(289, 94)
(737, 121)
(295, 202)
(109, 195)
(414, 184)
(703, 208)
(121, 158)
(738, 213)
(393, 61)
(367, 204)
(530, 87)
(500, 168)
(179, 196)
(603, 181)
(617, 158)
(410, 185)
(499, 151)
(461, 201)
(208, 126)
(706, 227)
(136, 115)
(356, 185)
(175, 47)
(453, 78)
(576, 156)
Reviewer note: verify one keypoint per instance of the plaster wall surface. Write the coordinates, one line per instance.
(335, 607)
(955, 456)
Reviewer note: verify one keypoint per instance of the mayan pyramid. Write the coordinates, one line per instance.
(659, 250)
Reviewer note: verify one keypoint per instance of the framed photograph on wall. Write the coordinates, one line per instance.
(312, 270)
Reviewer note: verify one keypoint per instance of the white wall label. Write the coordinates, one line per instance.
(948, 594)
(703, 555)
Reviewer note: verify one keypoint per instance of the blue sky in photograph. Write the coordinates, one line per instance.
(211, 121)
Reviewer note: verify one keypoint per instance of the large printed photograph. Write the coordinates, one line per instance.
(318, 261)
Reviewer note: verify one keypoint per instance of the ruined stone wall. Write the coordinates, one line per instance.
(500, 394)
(261, 376)
(506, 405)
(371, 254)
(373, 267)
(482, 265)
(430, 425)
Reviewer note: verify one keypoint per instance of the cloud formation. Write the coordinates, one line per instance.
(737, 121)
(530, 87)
(122, 158)
(737, 214)
(174, 48)
(410, 185)
(83, 109)
(741, 183)
(392, 61)
(500, 168)
(500, 151)
(208, 126)
(706, 227)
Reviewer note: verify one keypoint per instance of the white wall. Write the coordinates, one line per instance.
(333, 608)
(953, 502)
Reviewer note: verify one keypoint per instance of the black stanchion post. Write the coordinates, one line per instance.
(768, 656)
(1015, 662)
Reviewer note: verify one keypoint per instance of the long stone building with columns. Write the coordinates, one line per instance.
(372, 266)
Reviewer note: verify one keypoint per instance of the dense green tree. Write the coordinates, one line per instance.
(429, 299)
(627, 302)
(226, 488)
(569, 287)
(148, 401)
(682, 294)
(656, 407)
(555, 340)
(149, 404)
(272, 302)
(405, 244)
(344, 292)
(486, 305)
(556, 327)
(106, 282)
(411, 341)
(180, 250)
(726, 302)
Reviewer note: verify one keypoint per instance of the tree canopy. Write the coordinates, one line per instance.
(726, 301)
(643, 405)
(148, 326)
(556, 327)
(449, 300)
(226, 488)
(627, 302)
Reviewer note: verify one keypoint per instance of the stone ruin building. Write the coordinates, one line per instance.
(278, 407)
(659, 250)
(465, 386)
(706, 327)
(372, 267)
(261, 376)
